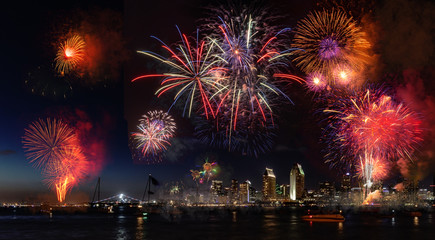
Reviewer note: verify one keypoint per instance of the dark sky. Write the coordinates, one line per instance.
(29, 32)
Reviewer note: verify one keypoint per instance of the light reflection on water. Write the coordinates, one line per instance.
(416, 221)
(121, 232)
(231, 224)
(140, 232)
(340, 227)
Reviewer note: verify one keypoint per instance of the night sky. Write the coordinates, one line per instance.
(403, 39)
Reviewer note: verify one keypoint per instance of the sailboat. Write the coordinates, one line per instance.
(147, 206)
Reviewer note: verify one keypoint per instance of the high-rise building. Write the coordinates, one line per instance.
(345, 183)
(244, 191)
(285, 191)
(327, 189)
(297, 182)
(253, 194)
(216, 188)
(269, 182)
(234, 190)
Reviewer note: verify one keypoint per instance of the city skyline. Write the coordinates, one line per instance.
(113, 108)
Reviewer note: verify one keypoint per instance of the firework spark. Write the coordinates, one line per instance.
(70, 54)
(316, 82)
(327, 39)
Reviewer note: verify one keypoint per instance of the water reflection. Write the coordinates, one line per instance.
(415, 221)
(270, 220)
(340, 227)
(121, 232)
(234, 216)
(140, 233)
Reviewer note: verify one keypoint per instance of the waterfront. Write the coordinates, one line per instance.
(249, 224)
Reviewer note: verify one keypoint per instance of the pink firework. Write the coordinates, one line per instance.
(156, 128)
(388, 128)
(374, 129)
(316, 82)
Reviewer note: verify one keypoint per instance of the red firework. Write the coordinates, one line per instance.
(53, 146)
(373, 130)
(377, 122)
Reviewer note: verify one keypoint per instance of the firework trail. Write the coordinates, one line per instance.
(54, 147)
(156, 128)
(371, 128)
(331, 44)
(194, 72)
(70, 54)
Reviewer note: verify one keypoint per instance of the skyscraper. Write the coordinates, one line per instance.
(234, 190)
(297, 182)
(216, 189)
(285, 191)
(244, 191)
(269, 181)
(345, 183)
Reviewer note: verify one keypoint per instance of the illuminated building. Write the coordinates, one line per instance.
(327, 189)
(216, 189)
(285, 189)
(345, 183)
(269, 182)
(297, 182)
(244, 191)
(234, 190)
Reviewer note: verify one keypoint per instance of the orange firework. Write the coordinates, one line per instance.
(70, 54)
(45, 141)
(327, 39)
(62, 188)
(66, 171)
(53, 146)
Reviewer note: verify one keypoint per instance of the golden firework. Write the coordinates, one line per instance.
(70, 54)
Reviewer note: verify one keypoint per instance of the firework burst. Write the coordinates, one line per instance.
(45, 141)
(254, 57)
(369, 129)
(209, 171)
(316, 82)
(53, 146)
(236, 73)
(325, 40)
(70, 54)
(156, 128)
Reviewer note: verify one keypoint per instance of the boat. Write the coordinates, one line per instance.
(323, 218)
